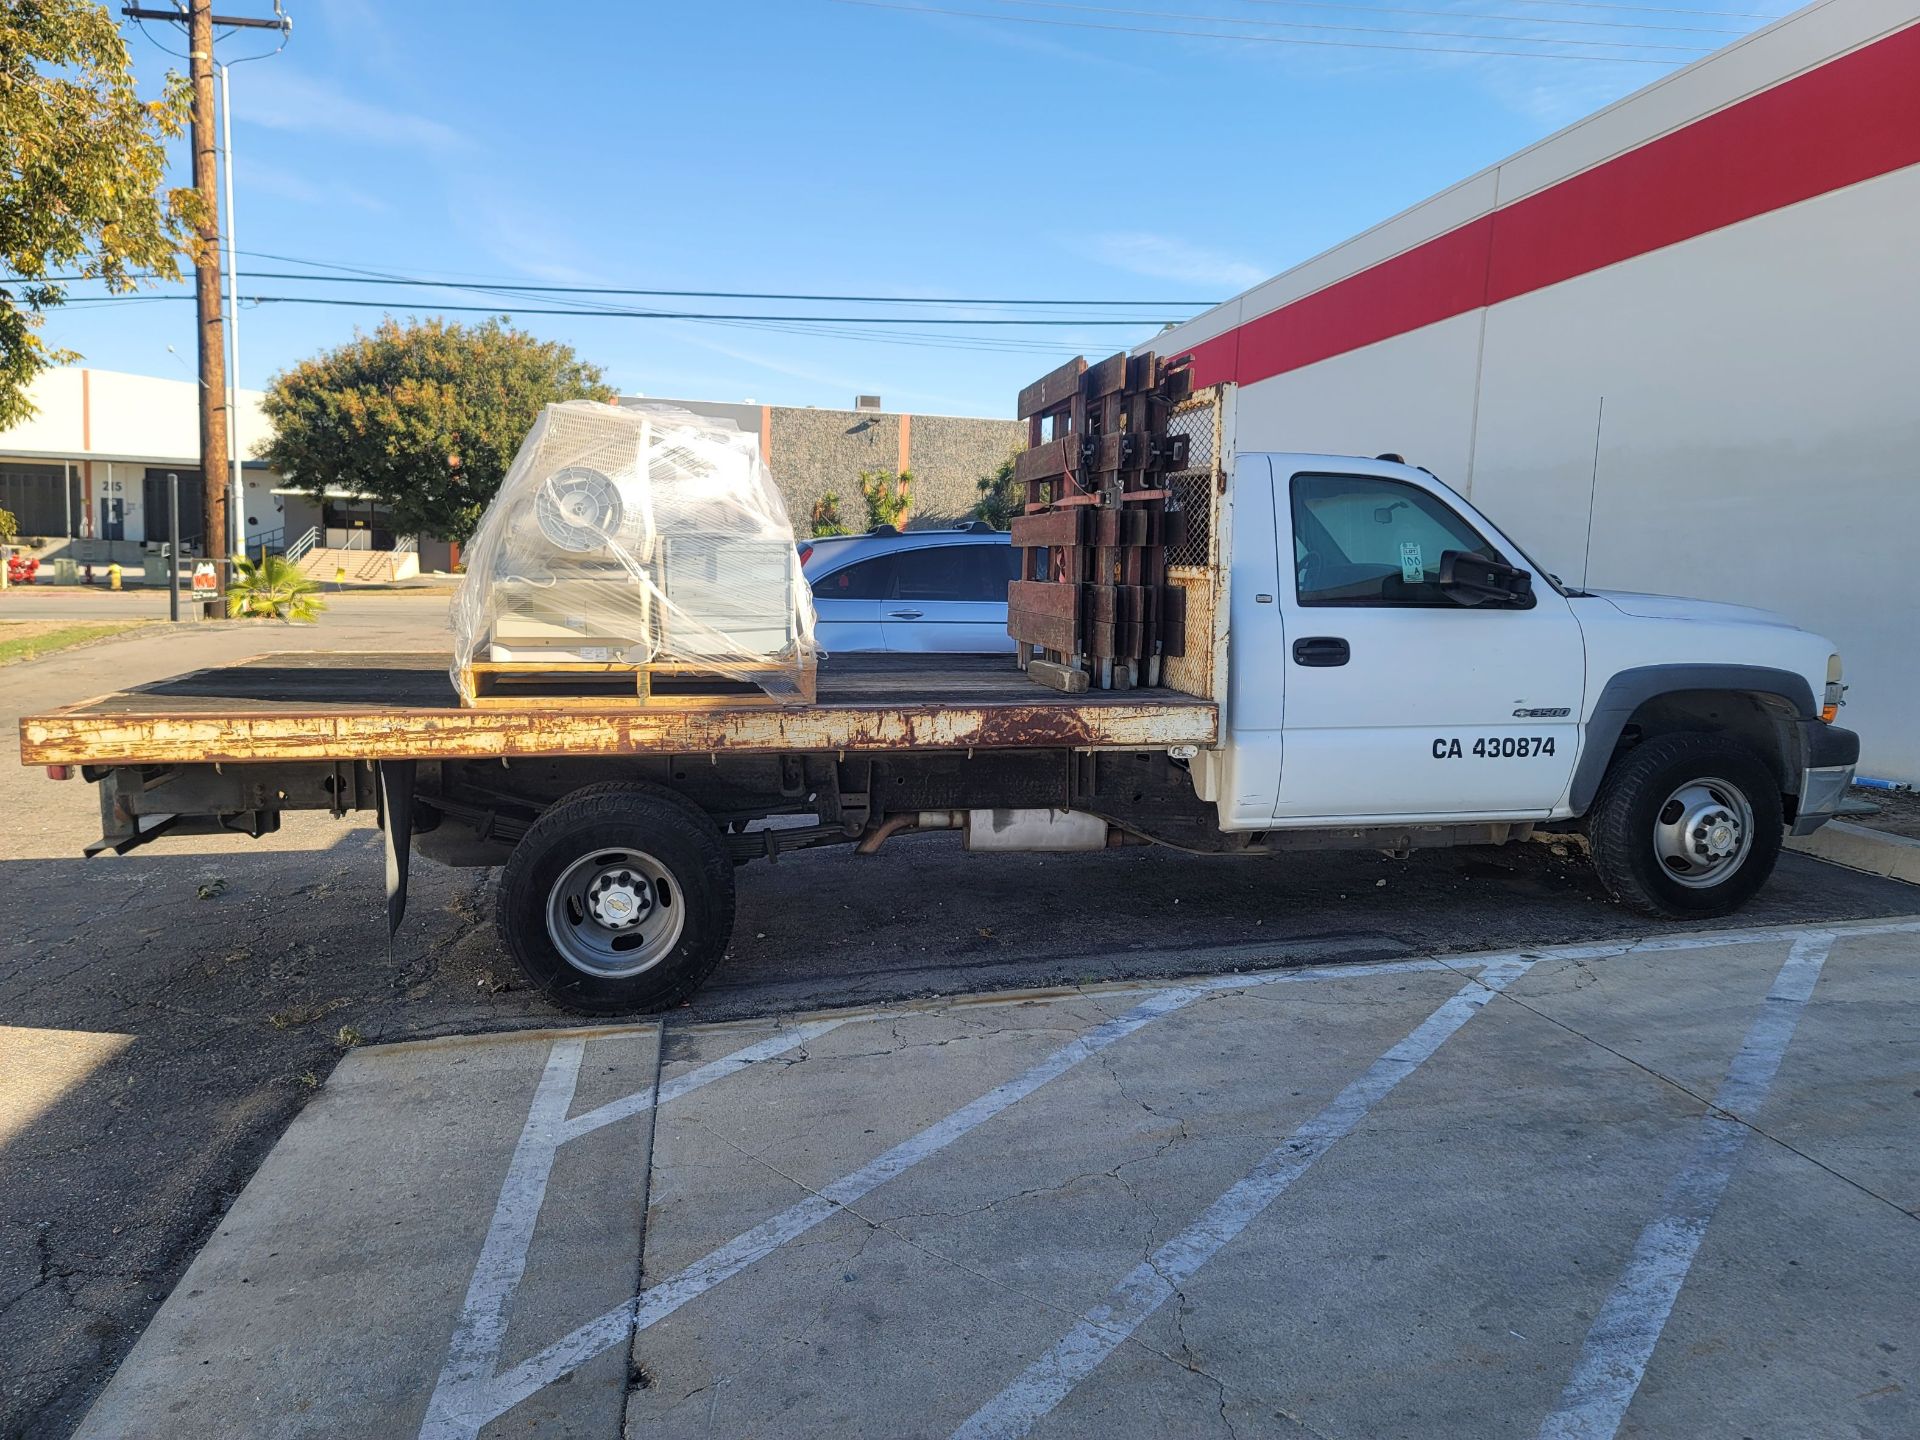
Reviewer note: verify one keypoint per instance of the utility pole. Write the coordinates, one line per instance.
(206, 279)
(219, 462)
(236, 492)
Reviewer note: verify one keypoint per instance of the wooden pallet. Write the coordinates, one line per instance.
(1093, 599)
(615, 685)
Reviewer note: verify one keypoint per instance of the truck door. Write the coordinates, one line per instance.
(1402, 703)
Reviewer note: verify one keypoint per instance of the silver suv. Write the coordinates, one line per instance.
(916, 591)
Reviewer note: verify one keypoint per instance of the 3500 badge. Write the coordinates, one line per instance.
(1504, 747)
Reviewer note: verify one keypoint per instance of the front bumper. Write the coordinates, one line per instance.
(1831, 755)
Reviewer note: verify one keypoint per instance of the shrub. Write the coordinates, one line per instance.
(998, 502)
(826, 516)
(271, 588)
(889, 496)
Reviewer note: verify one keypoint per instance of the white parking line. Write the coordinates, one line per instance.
(657, 1302)
(1624, 1333)
(474, 1351)
(1051, 1378)
(470, 1395)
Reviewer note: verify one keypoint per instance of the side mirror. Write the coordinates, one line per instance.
(1471, 579)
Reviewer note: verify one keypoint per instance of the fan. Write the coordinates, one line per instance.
(581, 509)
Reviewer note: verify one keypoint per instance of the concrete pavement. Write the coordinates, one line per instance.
(1662, 1187)
(164, 1015)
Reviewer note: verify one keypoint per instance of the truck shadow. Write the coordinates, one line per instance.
(923, 917)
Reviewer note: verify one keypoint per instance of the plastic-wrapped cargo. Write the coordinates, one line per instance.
(638, 552)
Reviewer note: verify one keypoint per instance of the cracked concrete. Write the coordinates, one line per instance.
(1433, 1275)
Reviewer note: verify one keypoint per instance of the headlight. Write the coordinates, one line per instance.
(1834, 698)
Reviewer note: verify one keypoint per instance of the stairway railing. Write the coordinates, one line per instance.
(305, 543)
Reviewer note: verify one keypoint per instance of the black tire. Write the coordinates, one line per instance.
(676, 836)
(1622, 826)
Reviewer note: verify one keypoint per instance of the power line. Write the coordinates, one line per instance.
(914, 339)
(1256, 39)
(334, 300)
(370, 277)
(1508, 19)
(1693, 45)
(1638, 9)
(715, 294)
(515, 288)
(694, 294)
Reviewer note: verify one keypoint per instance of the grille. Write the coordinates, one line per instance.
(1193, 488)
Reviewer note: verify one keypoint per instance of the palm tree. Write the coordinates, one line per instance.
(272, 588)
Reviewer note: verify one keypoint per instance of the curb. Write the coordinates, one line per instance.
(1855, 846)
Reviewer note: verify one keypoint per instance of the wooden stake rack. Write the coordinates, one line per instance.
(1092, 607)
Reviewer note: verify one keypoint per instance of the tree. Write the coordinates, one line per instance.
(425, 416)
(889, 496)
(998, 503)
(82, 160)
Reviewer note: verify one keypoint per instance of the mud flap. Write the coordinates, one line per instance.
(396, 828)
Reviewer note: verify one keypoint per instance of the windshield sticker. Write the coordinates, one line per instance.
(1412, 569)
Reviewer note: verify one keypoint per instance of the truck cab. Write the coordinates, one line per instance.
(1396, 660)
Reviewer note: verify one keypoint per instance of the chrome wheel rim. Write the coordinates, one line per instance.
(1703, 832)
(615, 913)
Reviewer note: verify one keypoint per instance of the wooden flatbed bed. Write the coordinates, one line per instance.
(343, 706)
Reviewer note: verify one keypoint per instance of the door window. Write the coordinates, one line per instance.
(995, 567)
(1366, 540)
(866, 580)
(935, 573)
(970, 573)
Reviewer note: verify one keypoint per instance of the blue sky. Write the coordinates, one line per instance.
(822, 147)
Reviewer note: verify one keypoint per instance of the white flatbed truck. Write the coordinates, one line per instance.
(1369, 662)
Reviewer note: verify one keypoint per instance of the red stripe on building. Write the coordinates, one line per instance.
(1849, 120)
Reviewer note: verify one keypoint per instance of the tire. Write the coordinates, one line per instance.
(618, 900)
(1656, 827)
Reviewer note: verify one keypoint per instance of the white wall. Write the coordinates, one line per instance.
(140, 420)
(134, 415)
(1411, 396)
(1761, 440)
(265, 511)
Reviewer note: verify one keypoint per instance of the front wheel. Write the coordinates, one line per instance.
(619, 899)
(1686, 826)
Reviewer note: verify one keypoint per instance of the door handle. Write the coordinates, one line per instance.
(1321, 650)
(904, 614)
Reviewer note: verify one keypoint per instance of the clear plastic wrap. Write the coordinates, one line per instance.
(630, 536)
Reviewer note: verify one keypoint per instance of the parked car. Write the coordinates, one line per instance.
(919, 591)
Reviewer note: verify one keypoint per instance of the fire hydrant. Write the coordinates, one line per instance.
(113, 576)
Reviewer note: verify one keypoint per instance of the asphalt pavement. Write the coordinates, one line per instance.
(167, 1014)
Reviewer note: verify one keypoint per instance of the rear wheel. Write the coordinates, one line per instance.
(619, 899)
(1686, 826)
